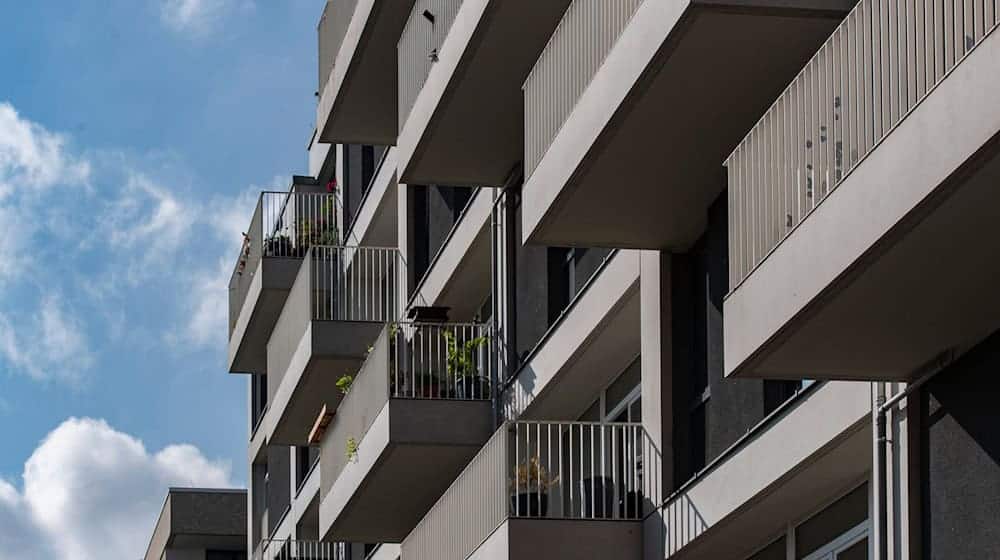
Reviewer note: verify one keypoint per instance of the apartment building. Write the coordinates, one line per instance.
(200, 524)
(632, 279)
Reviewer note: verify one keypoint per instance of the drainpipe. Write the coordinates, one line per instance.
(880, 412)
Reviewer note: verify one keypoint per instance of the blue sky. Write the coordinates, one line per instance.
(134, 136)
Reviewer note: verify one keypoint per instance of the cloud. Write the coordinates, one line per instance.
(90, 491)
(198, 17)
(209, 306)
(31, 157)
(50, 344)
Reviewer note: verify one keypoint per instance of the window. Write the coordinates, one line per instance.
(838, 532)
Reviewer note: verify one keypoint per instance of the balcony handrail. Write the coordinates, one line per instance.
(417, 49)
(355, 283)
(541, 470)
(429, 360)
(588, 31)
(874, 69)
(298, 549)
(331, 30)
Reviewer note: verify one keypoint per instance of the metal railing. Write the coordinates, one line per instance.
(418, 47)
(883, 59)
(284, 225)
(541, 470)
(289, 549)
(355, 283)
(585, 35)
(440, 361)
(408, 361)
(330, 32)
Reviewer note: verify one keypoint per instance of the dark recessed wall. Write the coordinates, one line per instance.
(434, 211)
(711, 412)
(960, 457)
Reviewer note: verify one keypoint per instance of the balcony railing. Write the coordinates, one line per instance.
(418, 46)
(577, 49)
(410, 361)
(541, 470)
(331, 30)
(284, 225)
(289, 549)
(355, 283)
(876, 67)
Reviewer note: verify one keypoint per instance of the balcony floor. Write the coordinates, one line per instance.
(260, 311)
(410, 455)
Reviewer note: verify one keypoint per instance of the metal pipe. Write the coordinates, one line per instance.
(880, 412)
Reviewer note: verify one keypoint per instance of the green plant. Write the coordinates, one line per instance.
(344, 383)
(352, 449)
(460, 361)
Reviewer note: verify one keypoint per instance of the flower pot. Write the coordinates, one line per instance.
(529, 504)
(598, 497)
(472, 387)
(430, 389)
(630, 505)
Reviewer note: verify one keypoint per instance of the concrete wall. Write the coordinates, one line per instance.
(961, 457)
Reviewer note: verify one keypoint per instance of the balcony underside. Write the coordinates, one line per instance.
(358, 104)
(329, 349)
(467, 126)
(261, 308)
(413, 451)
(898, 265)
(557, 539)
(815, 453)
(639, 159)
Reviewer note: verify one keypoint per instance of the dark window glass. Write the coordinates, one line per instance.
(777, 392)
(698, 429)
(842, 516)
(774, 551)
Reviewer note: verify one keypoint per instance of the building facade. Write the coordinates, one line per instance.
(635, 279)
(200, 524)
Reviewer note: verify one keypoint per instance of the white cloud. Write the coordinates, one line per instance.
(209, 305)
(198, 17)
(50, 344)
(31, 157)
(90, 491)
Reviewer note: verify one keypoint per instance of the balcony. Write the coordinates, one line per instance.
(862, 206)
(357, 81)
(460, 74)
(290, 549)
(340, 301)
(595, 339)
(787, 468)
(545, 490)
(283, 227)
(634, 104)
(415, 414)
(459, 275)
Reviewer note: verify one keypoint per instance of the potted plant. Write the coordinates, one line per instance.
(278, 245)
(351, 449)
(530, 489)
(344, 383)
(428, 386)
(461, 366)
